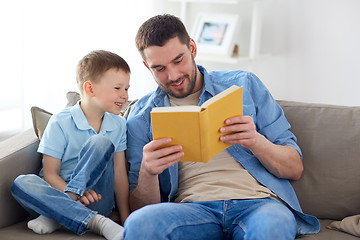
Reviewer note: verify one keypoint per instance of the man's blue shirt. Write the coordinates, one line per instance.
(258, 103)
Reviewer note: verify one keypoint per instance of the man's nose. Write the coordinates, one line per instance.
(173, 74)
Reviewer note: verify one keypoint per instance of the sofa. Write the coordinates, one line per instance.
(328, 135)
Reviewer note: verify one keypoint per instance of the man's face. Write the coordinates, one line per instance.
(173, 67)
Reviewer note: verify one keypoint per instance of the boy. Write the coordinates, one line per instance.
(83, 156)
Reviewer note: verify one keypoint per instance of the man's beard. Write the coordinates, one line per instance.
(186, 92)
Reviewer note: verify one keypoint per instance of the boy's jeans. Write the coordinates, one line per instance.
(95, 170)
(259, 219)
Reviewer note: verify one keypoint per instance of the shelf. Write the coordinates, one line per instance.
(255, 30)
(229, 60)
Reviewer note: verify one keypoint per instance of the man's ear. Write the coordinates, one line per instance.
(88, 88)
(146, 65)
(193, 48)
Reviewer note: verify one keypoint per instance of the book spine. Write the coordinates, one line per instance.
(204, 135)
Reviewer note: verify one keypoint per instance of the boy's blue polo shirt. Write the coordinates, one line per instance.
(68, 130)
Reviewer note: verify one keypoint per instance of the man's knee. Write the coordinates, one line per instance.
(141, 223)
(274, 221)
(146, 223)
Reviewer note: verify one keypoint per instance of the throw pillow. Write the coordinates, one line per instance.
(349, 224)
(40, 119)
(72, 98)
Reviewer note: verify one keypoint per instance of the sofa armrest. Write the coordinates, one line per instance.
(18, 155)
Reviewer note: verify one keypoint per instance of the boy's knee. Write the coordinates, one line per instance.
(24, 182)
(100, 143)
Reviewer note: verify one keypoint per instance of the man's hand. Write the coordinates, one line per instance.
(241, 130)
(156, 160)
(89, 197)
(282, 161)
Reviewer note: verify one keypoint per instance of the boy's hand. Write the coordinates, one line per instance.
(89, 197)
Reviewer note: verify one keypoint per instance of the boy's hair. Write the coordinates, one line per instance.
(157, 30)
(96, 63)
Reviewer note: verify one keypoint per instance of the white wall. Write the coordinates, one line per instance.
(314, 46)
(43, 40)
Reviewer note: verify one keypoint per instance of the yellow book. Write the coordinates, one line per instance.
(196, 128)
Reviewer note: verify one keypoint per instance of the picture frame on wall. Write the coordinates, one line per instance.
(214, 33)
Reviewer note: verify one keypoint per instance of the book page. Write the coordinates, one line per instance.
(229, 105)
(218, 96)
(177, 109)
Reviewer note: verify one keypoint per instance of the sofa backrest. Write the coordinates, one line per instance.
(18, 156)
(329, 137)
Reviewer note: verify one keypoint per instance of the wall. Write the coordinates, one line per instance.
(42, 42)
(314, 47)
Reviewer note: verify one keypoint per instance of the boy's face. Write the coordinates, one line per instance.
(173, 67)
(111, 91)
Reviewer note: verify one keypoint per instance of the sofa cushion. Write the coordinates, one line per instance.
(329, 137)
(72, 98)
(349, 224)
(40, 119)
(20, 231)
(327, 234)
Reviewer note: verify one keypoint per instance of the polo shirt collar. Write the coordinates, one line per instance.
(81, 122)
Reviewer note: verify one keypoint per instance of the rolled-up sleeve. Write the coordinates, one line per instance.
(270, 118)
(138, 129)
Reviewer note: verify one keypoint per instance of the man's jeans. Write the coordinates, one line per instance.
(232, 219)
(95, 170)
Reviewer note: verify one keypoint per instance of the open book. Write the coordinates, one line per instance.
(196, 128)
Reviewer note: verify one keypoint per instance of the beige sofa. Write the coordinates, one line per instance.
(329, 137)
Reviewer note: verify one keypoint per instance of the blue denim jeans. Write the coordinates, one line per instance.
(95, 170)
(231, 219)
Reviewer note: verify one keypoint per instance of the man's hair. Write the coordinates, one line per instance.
(96, 63)
(157, 30)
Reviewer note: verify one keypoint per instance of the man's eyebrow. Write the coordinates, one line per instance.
(177, 57)
(174, 59)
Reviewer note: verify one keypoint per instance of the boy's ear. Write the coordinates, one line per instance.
(88, 89)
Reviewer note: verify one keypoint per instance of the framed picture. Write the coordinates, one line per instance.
(214, 33)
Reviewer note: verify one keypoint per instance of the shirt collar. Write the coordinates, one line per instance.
(82, 123)
(208, 88)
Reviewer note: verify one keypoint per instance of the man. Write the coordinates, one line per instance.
(243, 192)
